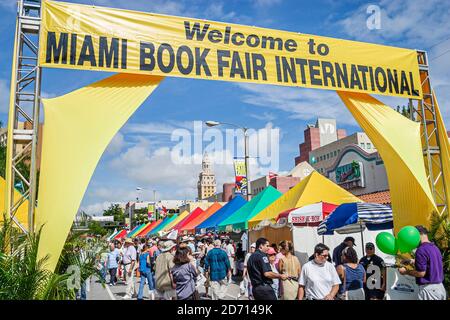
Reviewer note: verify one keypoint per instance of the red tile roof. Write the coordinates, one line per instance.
(382, 197)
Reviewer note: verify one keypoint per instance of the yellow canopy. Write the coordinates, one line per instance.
(21, 213)
(312, 189)
(398, 141)
(78, 128)
(180, 217)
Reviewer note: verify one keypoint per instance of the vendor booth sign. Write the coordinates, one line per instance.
(350, 175)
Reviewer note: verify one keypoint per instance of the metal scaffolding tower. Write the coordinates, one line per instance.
(23, 120)
(424, 111)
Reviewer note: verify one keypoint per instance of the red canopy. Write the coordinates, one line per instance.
(148, 228)
(121, 234)
(194, 214)
(310, 215)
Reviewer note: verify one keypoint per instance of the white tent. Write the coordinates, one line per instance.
(305, 239)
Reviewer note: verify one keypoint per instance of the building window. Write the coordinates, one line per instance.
(369, 145)
(328, 156)
(335, 153)
(362, 145)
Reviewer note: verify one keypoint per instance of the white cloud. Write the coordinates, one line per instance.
(116, 145)
(266, 3)
(299, 103)
(414, 25)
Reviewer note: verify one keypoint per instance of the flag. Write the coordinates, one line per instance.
(272, 175)
(151, 211)
(240, 171)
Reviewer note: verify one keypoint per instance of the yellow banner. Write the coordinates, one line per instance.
(96, 38)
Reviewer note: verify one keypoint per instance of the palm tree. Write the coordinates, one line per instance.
(440, 235)
(24, 277)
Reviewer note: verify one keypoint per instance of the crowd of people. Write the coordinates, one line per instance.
(177, 269)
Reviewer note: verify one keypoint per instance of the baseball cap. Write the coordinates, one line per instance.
(370, 245)
(253, 245)
(271, 251)
(422, 229)
(350, 239)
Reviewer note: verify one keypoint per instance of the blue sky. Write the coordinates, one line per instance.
(139, 155)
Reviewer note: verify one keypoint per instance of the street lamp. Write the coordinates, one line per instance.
(211, 123)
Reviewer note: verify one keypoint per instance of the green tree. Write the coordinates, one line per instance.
(440, 235)
(141, 215)
(95, 228)
(116, 211)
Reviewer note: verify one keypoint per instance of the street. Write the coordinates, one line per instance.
(95, 291)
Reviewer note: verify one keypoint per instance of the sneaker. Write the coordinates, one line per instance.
(110, 284)
(126, 297)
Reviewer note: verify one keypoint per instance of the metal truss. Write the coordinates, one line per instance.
(424, 111)
(23, 119)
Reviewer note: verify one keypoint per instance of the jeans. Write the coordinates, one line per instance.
(112, 275)
(81, 294)
(145, 277)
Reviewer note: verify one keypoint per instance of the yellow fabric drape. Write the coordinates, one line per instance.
(398, 141)
(445, 150)
(180, 217)
(78, 128)
(21, 213)
(312, 189)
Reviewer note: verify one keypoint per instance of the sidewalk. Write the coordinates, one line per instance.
(98, 292)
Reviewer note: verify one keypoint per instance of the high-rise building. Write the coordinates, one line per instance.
(315, 136)
(206, 185)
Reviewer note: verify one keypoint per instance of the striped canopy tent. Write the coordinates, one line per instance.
(312, 189)
(210, 224)
(137, 230)
(134, 229)
(310, 215)
(148, 227)
(162, 225)
(194, 214)
(112, 235)
(354, 217)
(238, 220)
(120, 235)
(172, 224)
(189, 228)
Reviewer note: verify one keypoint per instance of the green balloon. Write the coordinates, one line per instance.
(386, 243)
(408, 239)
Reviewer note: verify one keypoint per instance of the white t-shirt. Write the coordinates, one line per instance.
(247, 256)
(318, 279)
(129, 255)
(230, 250)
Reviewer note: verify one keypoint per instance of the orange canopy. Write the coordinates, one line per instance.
(189, 227)
(195, 213)
(148, 228)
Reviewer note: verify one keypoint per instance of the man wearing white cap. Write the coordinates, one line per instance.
(129, 263)
(163, 276)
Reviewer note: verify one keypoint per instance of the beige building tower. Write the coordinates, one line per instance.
(206, 185)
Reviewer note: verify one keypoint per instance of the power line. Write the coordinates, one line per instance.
(445, 52)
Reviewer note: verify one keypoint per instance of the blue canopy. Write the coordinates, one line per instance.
(373, 215)
(210, 224)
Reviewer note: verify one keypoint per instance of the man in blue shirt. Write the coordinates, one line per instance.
(217, 266)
